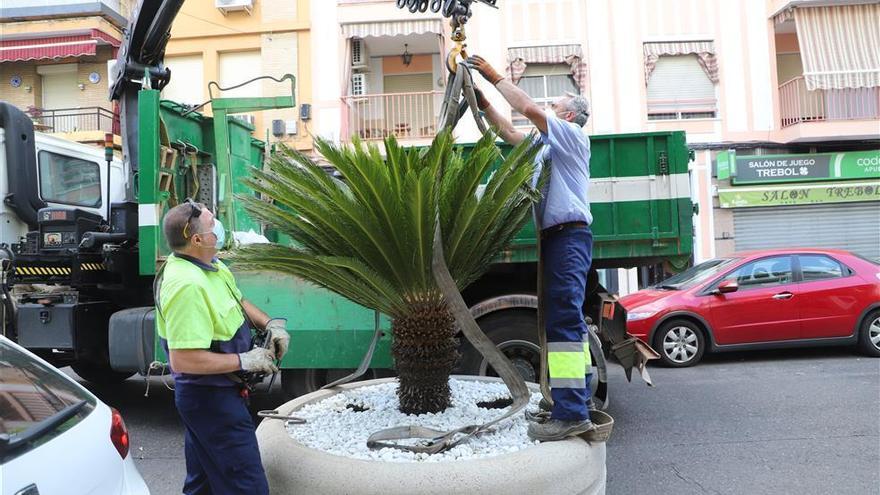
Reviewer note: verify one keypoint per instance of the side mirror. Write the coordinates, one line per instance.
(726, 287)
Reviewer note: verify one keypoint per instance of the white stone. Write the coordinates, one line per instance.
(333, 427)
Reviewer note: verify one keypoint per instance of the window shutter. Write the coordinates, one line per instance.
(679, 84)
(238, 67)
(187, 78)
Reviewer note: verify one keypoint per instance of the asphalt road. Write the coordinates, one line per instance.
(776, 422)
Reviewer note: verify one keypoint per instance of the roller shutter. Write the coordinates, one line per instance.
(855, 227)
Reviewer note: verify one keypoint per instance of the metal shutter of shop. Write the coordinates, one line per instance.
(854, 226)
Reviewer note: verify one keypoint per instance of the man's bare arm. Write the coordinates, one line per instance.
(518, 99)
(522, 103)
(203, 362)
(255, 314)
(504, 126)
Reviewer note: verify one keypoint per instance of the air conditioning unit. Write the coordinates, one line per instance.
(360, 58)
(226, 6)
(359, 85)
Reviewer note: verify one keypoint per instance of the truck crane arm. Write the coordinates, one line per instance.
(141, 65)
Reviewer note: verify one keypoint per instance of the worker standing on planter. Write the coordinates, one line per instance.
(563, 215)
(205, 327)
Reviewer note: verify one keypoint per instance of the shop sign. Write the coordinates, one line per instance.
(799, 195)
(768, 169)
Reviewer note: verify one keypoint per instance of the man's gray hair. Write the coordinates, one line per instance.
(580, 106)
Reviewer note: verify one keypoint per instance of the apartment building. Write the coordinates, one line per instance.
(231, 42)
(768, 91)
(55, 57)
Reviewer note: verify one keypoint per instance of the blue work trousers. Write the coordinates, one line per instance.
(221, 450)
(567, 254)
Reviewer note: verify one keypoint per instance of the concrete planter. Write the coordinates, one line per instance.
(562, 468)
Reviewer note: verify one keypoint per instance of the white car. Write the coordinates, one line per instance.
(56, 438)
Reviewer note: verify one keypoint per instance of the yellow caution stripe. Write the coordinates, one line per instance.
(42, 270)
(91, 266)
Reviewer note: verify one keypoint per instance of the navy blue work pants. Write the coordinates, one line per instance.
(567, 256)
(221, 450)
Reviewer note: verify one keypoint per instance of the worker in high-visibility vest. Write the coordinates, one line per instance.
(205, 327)
(564, 218)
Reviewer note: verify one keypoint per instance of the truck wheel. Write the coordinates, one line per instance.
(100, 374)
(680, 343)
(869, 334)
(296, 382)
(515, 332)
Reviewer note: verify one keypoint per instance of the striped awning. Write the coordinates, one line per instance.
(392, 28)
(549, 54)
(54, 47)
(519, 58)
(839, 46)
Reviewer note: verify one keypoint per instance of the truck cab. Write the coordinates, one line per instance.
(67, 175)
(62, 202)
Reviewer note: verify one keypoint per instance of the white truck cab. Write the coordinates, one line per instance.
(69, 175)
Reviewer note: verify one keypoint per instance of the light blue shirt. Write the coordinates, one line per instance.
(565, 197)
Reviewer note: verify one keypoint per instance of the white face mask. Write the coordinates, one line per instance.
(219, 233)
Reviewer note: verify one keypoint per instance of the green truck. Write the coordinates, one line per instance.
(78, 287)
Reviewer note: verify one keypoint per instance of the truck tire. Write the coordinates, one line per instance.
(680, 343)
(515, 332)
(100, 374)
(869, 334)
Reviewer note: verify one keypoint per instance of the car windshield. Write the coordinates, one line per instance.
(695, 274)
(36, 402)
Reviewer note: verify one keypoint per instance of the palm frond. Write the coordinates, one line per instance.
(369, 235)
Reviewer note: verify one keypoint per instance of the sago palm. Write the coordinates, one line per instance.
(369, 236)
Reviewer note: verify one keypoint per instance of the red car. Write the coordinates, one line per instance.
(760, 300)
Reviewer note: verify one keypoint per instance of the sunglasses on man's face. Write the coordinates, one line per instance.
(194, 212)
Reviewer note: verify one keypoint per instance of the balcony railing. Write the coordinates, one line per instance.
(799, 105)
(404, 115)
(74, 119)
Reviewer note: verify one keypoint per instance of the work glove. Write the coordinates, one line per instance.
(277, 328)
(485, 69)
(258, 360)
(482, 102)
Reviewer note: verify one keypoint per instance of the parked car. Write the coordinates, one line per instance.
(55, 436)
(760, 300)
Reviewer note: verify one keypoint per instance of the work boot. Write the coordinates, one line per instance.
(556, 429)
(544, 407)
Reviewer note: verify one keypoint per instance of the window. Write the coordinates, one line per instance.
(544, 83)
(32, 393)
(696, 274)
(69, 180)
(187, 80)
(767, 272)
(680, 89)
(818, 267)
(238, 67)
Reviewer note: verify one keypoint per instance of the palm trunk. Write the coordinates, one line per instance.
(425, 350)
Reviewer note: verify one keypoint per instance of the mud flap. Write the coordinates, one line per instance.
(629, 351)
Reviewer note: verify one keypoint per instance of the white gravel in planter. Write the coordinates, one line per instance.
(333, 426)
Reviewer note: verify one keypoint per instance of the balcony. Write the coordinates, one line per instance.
(68, 120)
(798, 105)
(403, 115)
